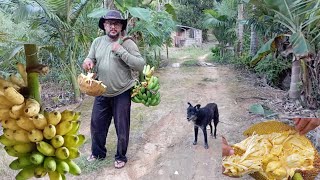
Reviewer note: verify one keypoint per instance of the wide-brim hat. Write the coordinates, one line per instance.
(113, 15)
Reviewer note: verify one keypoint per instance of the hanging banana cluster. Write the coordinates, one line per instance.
(147, 91)
(44, 143)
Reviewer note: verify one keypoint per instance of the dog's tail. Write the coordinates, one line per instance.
(216, 114)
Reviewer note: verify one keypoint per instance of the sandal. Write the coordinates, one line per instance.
(119, 164)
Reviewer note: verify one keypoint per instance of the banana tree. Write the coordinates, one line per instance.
(222, 20)
(301, 19)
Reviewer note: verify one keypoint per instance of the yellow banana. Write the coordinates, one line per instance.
(5, 83)
(73, 167)
(70, 140)
(57, 141)
(150, 72)
(50, 164)
(21, 135)
(13, 95)
(67, 115)
(24, 147)
(35, 135)
(10, 124)
(22, 71)
(73, 153)
(25, 173)
(45, 148)
(40, 172)
(54, 175)
(62, 152)
(53, 117)
(17, 80)
(25, 123)
(16, 111)
(4, 114)
(5, 102)
(7, 142)
(8, 133)
(39, 121)
(49, 131)
(64, 127)
(32, 107)
(75, 128)
(36, 158)
(62, 167)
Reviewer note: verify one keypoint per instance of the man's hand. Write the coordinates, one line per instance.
(226, 149)
(304, 125)
(87, 64)
(116, 46)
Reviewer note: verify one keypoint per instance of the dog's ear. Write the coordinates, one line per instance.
(189, 104)
(198, 106)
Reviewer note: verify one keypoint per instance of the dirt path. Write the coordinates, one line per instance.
(161, 138)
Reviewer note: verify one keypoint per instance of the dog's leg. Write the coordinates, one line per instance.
(215, 129)
(205, 137)
(195, 135)
(210, 129)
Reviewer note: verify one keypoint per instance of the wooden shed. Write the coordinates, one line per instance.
(186, 36)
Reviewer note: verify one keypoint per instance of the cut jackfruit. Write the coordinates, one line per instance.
(273, 151)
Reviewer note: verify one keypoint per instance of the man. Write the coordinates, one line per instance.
(113, 63)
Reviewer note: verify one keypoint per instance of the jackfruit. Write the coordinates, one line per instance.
(273, 151)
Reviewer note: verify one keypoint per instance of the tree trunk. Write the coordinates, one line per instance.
(34, 89)
(294, 92)
(73, 77)
(253, 41)
(240, 28)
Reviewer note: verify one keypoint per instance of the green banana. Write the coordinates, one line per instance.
(73, 153)
(36, 158)
(75, 127)
(11, 152)
(62, 152)
(63, 127)
(7, 142)
(76, 116)
(297, 176)
(50, 164)
(26, 173)
(24, 147)
(40, 172)
(54, 175)
(70, 140)
(45, 148)
(49, 131)
(57, 141)
(73, 167)
(62, 167)
(20, 163)
(82, 140)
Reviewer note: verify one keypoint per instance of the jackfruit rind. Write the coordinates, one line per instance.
(298, 142)
(267, 127)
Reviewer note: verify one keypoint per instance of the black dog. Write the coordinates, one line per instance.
(201, 117)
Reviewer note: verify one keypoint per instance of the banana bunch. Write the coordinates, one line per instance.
(146, 92)
(43, 143)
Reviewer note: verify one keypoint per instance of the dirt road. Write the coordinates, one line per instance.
(161, 138)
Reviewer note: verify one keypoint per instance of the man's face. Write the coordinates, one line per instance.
(113, 28)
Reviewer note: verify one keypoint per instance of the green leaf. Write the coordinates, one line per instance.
(140, 13)
(98, 12)
(170, 10)
(257, 109)
(300, 44)
(266, 49)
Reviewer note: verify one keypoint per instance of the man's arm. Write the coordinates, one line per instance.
(129, 53)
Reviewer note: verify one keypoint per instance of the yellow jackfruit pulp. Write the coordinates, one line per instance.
(273, 151)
